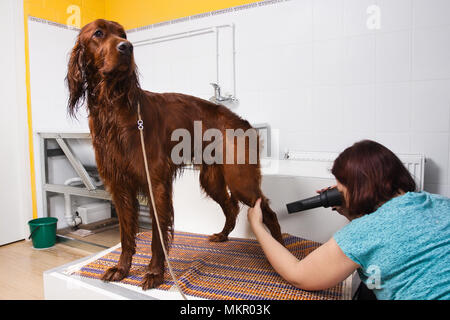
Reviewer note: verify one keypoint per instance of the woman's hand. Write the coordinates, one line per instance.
(254, 215)
(342, 210)
(324, 268)
(325, 189)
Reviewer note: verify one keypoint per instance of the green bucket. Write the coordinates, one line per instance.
(43, 232)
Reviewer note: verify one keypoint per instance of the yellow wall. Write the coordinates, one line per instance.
(130, 13)
(138, 13)
(56, 10)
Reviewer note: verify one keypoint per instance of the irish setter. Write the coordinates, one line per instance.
(102, 73)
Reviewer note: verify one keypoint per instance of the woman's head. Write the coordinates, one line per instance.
(371, 175)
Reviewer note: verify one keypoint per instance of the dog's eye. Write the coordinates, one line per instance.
(123, 35)
(98, 34)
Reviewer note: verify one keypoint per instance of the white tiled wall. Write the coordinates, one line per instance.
(314, 70)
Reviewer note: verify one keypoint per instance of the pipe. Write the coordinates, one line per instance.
(73, 181)
(71, 219)
(77, 181)
(216, 31)
(164, 39)
(234, 59)
(198, 32)
(179, 35)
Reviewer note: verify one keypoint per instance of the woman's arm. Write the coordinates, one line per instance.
(323, 268)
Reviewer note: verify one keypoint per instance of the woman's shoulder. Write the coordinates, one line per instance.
(418, 201)
(394, 214)
(371, 225)
(357, 229)
(438, 199)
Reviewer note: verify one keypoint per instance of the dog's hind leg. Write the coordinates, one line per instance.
(270, 220)
(244, 183)
(126, 205)
(213, 183)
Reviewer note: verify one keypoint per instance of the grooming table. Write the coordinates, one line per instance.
(235, 269)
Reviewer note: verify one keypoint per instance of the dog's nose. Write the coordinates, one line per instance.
(125, 47)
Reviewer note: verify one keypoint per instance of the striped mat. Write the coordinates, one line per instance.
(235, 269)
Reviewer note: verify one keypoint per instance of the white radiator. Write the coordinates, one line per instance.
(323, 162)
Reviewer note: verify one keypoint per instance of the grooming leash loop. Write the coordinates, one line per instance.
(140, 124)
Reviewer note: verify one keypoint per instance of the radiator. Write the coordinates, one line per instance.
(323, 162)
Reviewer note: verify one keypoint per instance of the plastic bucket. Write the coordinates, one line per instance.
(43, 232)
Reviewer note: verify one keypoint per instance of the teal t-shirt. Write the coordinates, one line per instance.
(403, 248)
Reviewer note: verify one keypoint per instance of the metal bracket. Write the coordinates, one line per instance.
(76, 164)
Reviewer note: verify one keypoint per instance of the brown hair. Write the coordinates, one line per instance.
(372, 174)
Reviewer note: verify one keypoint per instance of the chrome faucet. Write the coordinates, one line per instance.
(218, 98)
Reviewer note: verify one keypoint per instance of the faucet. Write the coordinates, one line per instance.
(218, 98)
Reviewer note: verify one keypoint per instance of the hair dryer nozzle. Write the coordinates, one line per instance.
(327, 198)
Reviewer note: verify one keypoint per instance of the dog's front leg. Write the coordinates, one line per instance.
(163, 201)
(126, 206)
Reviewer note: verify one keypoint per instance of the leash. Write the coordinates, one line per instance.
(150, 190)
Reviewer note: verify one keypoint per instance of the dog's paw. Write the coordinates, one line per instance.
(152, 280)
(218, 237)
(114, 274)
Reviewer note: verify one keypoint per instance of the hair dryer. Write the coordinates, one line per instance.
(327, 198)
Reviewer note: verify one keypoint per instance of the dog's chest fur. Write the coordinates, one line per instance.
(113, 137)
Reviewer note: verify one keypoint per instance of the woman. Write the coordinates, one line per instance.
(397, 239)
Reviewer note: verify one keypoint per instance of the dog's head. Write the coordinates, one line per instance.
(102, 53)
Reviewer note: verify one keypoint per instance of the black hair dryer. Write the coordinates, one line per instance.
(327, 198)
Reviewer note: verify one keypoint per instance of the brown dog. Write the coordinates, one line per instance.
(103, 73)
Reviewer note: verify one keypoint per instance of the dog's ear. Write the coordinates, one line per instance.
(76, 79)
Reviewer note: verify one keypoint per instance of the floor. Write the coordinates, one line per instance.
(21, 275)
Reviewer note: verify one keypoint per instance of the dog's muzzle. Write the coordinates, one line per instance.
(125, 48)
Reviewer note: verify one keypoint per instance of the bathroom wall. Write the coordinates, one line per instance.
(325, 73)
